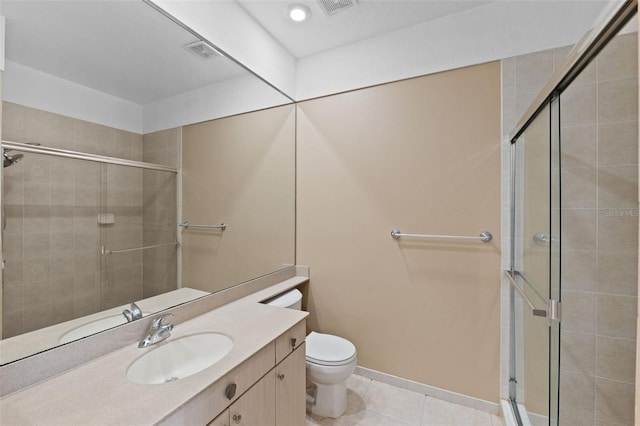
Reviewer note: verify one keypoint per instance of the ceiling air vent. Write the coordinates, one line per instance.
(202, 49)
(331, 7)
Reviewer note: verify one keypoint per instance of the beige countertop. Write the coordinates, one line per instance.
(98, 393)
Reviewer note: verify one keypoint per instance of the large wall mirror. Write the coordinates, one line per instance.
(118, 126)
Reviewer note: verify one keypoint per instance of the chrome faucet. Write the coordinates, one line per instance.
(157, 332)
(132, 314)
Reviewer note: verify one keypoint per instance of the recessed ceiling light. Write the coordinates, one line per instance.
(299, 12)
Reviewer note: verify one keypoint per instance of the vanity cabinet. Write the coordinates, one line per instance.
(278, 398)
(291, 389)
(221, 420)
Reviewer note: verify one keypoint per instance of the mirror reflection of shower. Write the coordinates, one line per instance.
(11, 159)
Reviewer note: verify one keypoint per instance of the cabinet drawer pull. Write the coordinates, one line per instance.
(293, 343)
(237, 418)
(230, 391)
(281, 376)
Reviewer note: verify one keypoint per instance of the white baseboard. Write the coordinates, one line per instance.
(445, 395)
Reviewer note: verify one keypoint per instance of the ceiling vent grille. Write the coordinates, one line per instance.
(202, 49)
(331, 7)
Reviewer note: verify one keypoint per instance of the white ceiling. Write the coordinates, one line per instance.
(366, 19)
(127, 49)
(123, 48)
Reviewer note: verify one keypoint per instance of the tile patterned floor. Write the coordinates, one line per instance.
(372, 403)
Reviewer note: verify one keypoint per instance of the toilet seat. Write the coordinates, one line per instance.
(329, 350)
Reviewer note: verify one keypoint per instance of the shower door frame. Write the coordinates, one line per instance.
(611, 21)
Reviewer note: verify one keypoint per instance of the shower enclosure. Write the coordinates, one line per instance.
(89, 218)
(572, 272)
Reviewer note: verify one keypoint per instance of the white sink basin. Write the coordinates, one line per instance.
(179, 358)
(94, 327)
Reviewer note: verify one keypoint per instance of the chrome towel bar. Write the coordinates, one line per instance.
(104, 250)
(485, 236)
(221, 227)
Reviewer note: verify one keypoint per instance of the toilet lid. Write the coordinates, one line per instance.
(326, 349)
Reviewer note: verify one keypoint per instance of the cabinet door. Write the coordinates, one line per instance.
(257, 406)
(221, 420)
(290, 389)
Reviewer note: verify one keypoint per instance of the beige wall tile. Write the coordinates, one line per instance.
(618, 272)
(61, 244)
(617, 100)
(579, 270)
(616, 316)
(62, 218)
(579, 188)
(581, 418)
(86, 137)
(618, 143)
(617, 229)
(13, 192)
(579, 228)
(12, 247)
(614, 402)
(579, 105)
(36, 219)
(37, 194)
(577, 392)
(533, 71)
(617, 187)
(579, 146)
(13, 298)
(36, 269)
(619, 59)
(578, 353)
(578, 311)
(616, 359)
(13, 272)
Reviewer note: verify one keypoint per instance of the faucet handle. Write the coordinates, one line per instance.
(157, 323)
(136, 311)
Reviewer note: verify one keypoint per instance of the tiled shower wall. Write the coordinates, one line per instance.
(52, 239)
(599, 151)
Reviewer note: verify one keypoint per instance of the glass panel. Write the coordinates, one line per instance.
(532, 261)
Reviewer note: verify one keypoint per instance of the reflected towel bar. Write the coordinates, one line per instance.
(221, 227)
(485, 236)
(104, 250)
(536, 312)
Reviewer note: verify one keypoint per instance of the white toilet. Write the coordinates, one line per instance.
(330, 361)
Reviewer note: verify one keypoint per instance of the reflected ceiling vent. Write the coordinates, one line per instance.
(202, 49)
(332, 7)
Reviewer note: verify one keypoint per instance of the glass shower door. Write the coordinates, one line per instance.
(535, 269)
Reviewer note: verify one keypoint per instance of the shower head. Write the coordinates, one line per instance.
(10, 160)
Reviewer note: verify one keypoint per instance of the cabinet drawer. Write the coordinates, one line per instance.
(288, 341)
(221, 420)
(215, 399)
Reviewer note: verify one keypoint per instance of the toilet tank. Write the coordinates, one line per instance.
(292, 299)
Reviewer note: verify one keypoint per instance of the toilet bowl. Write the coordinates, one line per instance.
(330, 360)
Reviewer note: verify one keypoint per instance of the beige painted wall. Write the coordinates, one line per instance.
(239, 170)
(1, 184)
(422, 155)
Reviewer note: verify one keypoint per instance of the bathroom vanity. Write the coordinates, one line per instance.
(260, 381)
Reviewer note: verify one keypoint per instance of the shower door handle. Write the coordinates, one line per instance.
(552, 311)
